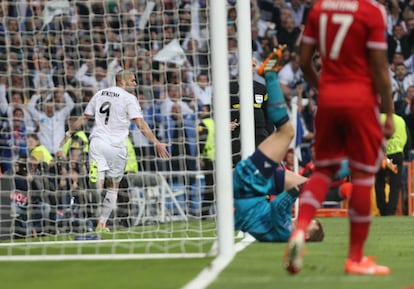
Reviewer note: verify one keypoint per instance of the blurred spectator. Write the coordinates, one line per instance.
(180, 131)
(299, 11)
(302, 131)
(30, 205)
(409, 121)
(289, 34)
(112, 43)
(232, 17)
(206, 137)
(408, 100)
(17, 135)
(78, 168)
(400, 42)
(400, 83)
(202, 89)
(2, 31)
(43, 74)
(393, 13)
(281, 14)
(11, 29)
(66, 77)
(254, 12)
(184, 24)
(197, 60)
(395, 152)
(256, 44)
(267, 44)
(233, 57)
(409, 63)
(37, 151)
(93, 75)
(289, 160)
(266, 10)
(15, 64)
(72, 183)
(16, 101)
(172, 98)
(143, 148)
(78, 139)
(397, 59)
(51, 121)
(290, 76)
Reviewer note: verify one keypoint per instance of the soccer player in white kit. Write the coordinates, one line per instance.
(113, 109)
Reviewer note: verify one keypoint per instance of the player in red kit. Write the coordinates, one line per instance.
(353, 87)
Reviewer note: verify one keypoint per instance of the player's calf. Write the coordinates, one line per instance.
(276, 105)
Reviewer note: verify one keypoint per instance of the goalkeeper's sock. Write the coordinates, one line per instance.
(265, 165)
(313, 194)
(109, 203)
(295, 191)
(276, 104)
(359, 216)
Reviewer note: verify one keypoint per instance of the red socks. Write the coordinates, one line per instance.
(359, 213)
(313, 194)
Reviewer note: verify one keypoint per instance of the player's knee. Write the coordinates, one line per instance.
(287, 130)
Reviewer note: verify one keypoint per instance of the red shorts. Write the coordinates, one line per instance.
(351, 132)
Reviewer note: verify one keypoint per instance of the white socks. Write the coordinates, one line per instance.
(109, 203)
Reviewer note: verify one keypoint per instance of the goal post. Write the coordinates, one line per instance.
(220, 74)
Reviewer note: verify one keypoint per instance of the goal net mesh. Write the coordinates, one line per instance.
(54, 55)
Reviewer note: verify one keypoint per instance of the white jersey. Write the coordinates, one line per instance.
(113, 109)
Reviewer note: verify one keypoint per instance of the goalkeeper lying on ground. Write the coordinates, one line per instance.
(261, 175)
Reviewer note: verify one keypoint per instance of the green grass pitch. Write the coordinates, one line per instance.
(259, 266)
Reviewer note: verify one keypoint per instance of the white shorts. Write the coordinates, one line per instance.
(109, 159)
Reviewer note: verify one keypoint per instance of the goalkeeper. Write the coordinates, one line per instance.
(261, 175)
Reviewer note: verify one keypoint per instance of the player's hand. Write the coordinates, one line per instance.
(388, 127)
(162, 150)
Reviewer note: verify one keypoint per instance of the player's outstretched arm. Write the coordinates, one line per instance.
(145, 129)
(306, 54)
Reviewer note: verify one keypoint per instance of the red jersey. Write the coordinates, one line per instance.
(343, 31)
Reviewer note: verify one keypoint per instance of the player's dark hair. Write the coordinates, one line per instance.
(316, 234)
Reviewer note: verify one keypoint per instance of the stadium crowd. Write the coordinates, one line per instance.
(54, 55)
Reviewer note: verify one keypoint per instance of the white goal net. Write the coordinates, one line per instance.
(54, 55)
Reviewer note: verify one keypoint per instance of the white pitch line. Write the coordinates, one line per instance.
(210, 273)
